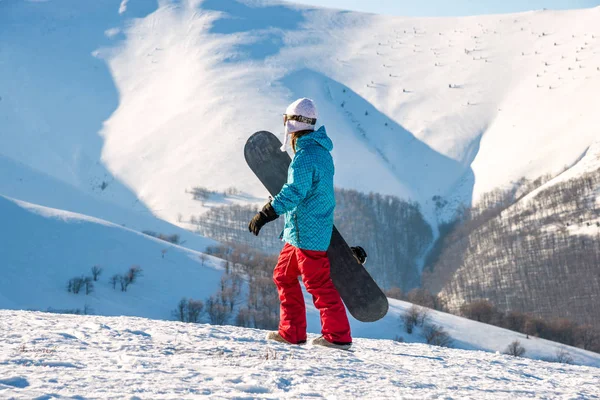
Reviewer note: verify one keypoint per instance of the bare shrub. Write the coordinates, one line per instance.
(201, 193)
(75, 285)
(409, 319)
(134, 272)
(515, 349)
(414, 316)
(436, 335)
(174, 238)
(563, 356)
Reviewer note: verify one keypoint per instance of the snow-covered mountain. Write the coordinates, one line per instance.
(134, 103)
(62, 356)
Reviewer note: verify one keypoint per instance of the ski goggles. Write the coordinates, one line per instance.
(299, 118)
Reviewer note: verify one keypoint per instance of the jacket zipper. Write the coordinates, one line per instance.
(297, 229)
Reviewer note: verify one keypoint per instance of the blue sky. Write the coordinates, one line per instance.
(449, 7)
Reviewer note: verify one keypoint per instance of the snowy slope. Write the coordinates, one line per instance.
(43, 248)
(588, 164)
(61, 356)
(157, 98)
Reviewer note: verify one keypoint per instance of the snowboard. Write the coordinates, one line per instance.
(363, 298)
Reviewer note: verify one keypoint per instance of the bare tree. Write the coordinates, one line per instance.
(218, 313)
(124, 281)
(194, 310)
(188, 310)
(231, 289)
(89, 284)
(96, 271)
(75, 284)
(203, 258)
(114, 280)
(180, 312)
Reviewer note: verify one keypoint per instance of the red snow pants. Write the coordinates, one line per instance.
(314, 268)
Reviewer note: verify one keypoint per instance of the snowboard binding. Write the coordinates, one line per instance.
(360, 254)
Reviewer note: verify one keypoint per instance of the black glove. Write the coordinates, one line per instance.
(266, 215)
(360, 254)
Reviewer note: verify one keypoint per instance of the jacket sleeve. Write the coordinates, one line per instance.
(298, 185)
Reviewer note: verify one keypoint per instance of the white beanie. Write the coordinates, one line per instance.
(302, 108)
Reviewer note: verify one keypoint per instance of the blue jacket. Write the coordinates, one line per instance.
(307, 199)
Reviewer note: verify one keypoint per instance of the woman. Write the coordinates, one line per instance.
(307, 201)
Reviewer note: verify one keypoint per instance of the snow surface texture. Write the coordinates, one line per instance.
(48, 247)
(429, 106)
(62, 356)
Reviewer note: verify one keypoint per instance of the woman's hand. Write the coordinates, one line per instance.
(266, 215)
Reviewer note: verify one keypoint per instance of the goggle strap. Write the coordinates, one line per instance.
(300, 118)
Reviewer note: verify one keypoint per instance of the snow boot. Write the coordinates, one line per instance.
(321, 341)
(275, 336)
